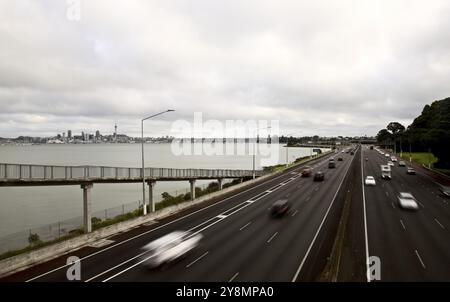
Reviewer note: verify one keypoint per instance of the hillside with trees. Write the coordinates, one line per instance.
(429, 132)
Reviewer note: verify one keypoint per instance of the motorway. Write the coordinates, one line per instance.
(412, 246)
(241, 241)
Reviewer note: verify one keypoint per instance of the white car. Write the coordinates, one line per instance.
(171, 247)
(393, 158)
(370, 181)
(387, 155)
(407, 201)
(390, 163)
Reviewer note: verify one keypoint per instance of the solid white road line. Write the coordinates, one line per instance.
(245, 226)
(437, 221)
(234, 277)
(365, 220)
(273, 236)
(199, 258)
(297, 273)
(112, 268)
(420, 259)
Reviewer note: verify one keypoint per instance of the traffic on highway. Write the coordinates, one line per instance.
(293, 216)
(407, 220)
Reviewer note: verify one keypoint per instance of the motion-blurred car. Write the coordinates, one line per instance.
(389, 163)
(411, 171)
(171, 247)
(401, 163)
(331, 164)
(387, 155)
(340, 158)
(393, 159)
(306, 172)
(370, 181)
(280, 208)
(407, 201)
(319, 176)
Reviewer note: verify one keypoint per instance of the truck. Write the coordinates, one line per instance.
(386, 172)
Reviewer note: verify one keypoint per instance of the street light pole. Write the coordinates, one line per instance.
(410, 159)
(254, 147)
(143, 168)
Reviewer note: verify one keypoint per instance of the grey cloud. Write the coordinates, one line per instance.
(324, 67)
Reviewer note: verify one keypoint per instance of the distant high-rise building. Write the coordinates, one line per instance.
(97, 134)
(69, 134)
(82, 135)
(115, 132)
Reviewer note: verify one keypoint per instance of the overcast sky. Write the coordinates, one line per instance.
(319, 67)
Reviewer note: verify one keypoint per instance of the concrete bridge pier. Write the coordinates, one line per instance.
(87, 209)
(220, 180)
(151, 184)
(192, 183)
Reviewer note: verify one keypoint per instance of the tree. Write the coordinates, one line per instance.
(34, 239)
(383, 136)
(431, 131)
(395, 127)
(166, 196)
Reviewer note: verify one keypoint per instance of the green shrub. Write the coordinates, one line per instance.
(34, 239)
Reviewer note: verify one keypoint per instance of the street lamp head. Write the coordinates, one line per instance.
(170, 110)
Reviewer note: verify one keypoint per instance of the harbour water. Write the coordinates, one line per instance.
(23, 208)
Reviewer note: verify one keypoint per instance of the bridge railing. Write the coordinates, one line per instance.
(43, 172)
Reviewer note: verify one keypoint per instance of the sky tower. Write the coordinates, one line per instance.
(115, 132)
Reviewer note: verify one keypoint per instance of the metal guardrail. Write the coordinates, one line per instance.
(77, 173)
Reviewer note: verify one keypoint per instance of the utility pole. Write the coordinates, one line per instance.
(410, 155)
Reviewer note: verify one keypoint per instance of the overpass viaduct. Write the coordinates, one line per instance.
(86, 176)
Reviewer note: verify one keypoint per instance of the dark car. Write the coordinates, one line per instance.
(340, 159)
(280, 208)
(319, 176)
(331, 164)
(306, 172)
(411, 171)
(352, 153)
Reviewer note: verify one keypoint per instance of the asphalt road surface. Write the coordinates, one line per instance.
(411, 245)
